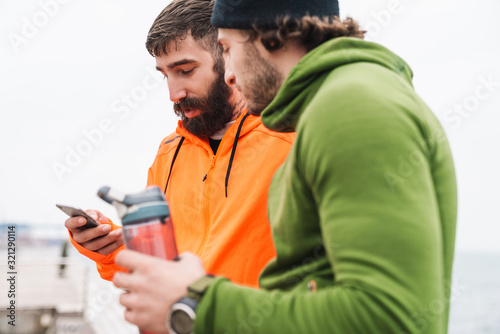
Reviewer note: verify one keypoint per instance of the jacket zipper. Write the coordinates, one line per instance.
(212, 164)
(208, 177)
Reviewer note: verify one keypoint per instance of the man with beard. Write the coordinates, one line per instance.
(363, 211)
(215, 169)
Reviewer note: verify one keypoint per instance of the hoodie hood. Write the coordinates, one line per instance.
(304, 80)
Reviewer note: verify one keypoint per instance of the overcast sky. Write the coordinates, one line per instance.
(82, 106)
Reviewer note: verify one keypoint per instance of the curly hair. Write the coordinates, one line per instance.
(310, 31)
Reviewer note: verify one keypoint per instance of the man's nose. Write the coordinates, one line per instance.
(176, 92)
(229, 76)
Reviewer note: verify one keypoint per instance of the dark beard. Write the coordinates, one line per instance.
(215, 109)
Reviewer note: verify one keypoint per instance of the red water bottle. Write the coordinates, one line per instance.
(147, 226)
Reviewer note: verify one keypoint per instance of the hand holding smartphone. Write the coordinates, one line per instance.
(76, 212)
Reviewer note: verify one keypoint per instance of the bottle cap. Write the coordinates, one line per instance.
(132, 208)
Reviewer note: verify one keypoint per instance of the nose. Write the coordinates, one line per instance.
(176, 92)
(229, 76)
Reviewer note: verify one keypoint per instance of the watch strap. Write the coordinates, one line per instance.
(183, 312)
(198, 288)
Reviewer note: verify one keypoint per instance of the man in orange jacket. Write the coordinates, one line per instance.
(215, 169)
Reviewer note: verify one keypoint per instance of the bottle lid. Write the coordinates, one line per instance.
(132, 208)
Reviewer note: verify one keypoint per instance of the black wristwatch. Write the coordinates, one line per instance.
(183, 312)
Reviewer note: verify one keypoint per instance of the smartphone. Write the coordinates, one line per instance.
(76, 212)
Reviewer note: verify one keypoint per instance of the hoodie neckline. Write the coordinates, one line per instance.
(220, 134)
(304, 80)
(250, 123)
(239, 127)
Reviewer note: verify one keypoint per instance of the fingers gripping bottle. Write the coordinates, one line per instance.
(147, 226)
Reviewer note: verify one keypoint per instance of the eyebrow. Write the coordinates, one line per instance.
(178, 63)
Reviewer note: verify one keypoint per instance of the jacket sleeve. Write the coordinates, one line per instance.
(105, 263)
(370, 174)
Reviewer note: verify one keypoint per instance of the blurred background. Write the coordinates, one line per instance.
(82, 106)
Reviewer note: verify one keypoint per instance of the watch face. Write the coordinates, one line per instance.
(181, 322)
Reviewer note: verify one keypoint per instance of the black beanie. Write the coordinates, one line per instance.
(241, 14)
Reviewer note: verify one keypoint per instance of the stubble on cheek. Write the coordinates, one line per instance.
(260, 82)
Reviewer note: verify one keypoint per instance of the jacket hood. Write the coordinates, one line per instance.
(304, 80)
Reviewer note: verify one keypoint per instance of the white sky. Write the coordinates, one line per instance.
(75, 63)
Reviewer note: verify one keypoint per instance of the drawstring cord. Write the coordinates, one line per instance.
(173, 160)
(234, 150)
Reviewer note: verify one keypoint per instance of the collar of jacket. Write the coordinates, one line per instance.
(244, 124)
(307, 76)
(250, 123)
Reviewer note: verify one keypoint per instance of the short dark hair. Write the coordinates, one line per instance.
(310, 31)
(179, 19)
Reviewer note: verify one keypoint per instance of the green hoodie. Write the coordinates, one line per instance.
(363, 211)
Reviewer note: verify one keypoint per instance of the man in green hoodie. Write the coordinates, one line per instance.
(363, 211)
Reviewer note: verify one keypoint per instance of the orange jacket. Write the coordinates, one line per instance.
(226, 227)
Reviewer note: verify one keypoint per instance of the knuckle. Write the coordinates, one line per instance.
(142, 319)
(144, 269)
(108, 249)
(104, 251)
(101, 244)
(116, 278)
(89, 246)
(125, 299)
(78, 238)
(94, 234)
(92, 213)
(95, 244)
(130, 316)
(71, 223)
(133, 286)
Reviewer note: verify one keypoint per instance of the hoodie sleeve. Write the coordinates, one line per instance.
(370, 171)
(105, 264)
